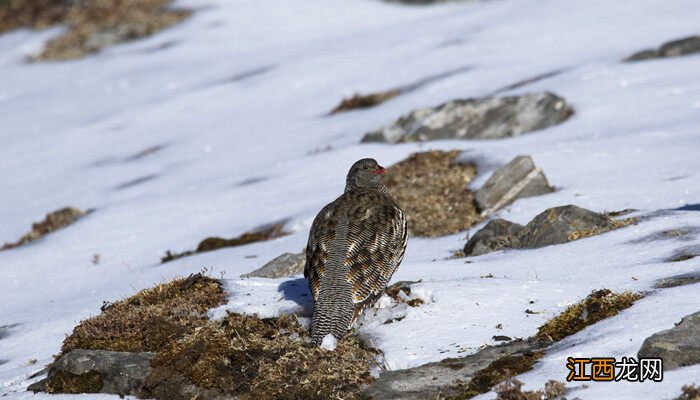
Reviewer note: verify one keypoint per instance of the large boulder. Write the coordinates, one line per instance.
(497, 234)
(97, 371)
(673, 48)
(678, 346)
(484, 118)
(519, 178)
(563, 224)
(287, 264)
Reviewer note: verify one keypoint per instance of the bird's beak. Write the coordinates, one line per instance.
(379, 171)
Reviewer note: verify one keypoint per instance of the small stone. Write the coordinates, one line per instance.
(678, 280)
(674, 48)
(678, 346)
(483, 118)
(287, 264)
(519, 178)
(497, 234)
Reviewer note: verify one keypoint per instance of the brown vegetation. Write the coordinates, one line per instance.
(358, 101)
(511, 389)
(431, 188)
(54, 221)
(92, 24)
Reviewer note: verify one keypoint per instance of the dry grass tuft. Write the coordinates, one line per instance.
(511, 389)
(690, 392)
(358, 101)
(498, 371)
(92, 24)
(600, 304)
(54, 221)
(214, 243)
(432, 190)
(251, 358)
(151, 318)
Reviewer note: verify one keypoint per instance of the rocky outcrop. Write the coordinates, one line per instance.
(96, 371)
(287, 264)
(452, 376)
(483, 118)
(497, 234)
(554, 226)
(519, 178)
(678, 346)
(678, 280)
(675, 48)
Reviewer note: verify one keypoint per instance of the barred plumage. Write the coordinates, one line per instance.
(355, 245)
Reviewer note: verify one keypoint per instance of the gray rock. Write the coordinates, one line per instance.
(438, 379)
(497, 234)
(485, 118)
(519, 178)
(678, 346)
(678, 280)
(563, 224)
(287, 264)
(675, 48)
(121, 373)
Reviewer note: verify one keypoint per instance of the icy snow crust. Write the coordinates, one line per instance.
(237, 104)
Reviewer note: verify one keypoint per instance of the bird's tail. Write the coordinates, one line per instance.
(331, 316)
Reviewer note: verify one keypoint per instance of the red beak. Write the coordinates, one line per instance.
(379, 171)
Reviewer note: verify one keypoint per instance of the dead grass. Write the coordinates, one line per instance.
(498, 371)
(358, 101)
(600, 304)
(614, 224)
(92, 24)
(54, 221)
(251, 358)
(432, 190)
(151, 318)
(65, 382)
(214, 243)
(690, 392)
(511, 389)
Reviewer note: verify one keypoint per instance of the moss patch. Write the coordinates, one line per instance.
(359, 101)
(432, 190)
(511, 389)
(92, 24)
(600, 304)
(65, 382)
(499, 370)
(151, 318)
(253, 358)
(54, 221)
(214, 243)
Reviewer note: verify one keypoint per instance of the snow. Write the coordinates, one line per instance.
(238, 105)
(329, 342)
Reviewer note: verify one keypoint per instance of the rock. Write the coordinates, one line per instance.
(484, 118)
(497, 234)
(678, 346)
(287, 264)
(97, 371)
(678, 280)
(519, 178)
(675, 48)
(564, 224)
(440, 379)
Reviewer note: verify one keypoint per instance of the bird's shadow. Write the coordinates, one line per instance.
(297, 290)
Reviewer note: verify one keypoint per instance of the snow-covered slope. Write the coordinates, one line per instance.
(236, 97)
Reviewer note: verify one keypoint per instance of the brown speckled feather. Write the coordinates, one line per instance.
(355, 245)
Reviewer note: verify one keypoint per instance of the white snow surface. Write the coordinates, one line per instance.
(329, 342)
(237, 102)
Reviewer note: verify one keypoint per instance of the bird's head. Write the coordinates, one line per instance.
(364, 173)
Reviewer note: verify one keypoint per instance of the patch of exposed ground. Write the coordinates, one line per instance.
(600, 304)
(511, 389)
(431, 188)
(151, 318)
(92, 25)
(689, 392)
(54, 221)
(252, 358)
(269, 232)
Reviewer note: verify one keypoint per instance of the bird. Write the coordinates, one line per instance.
(355, 245)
